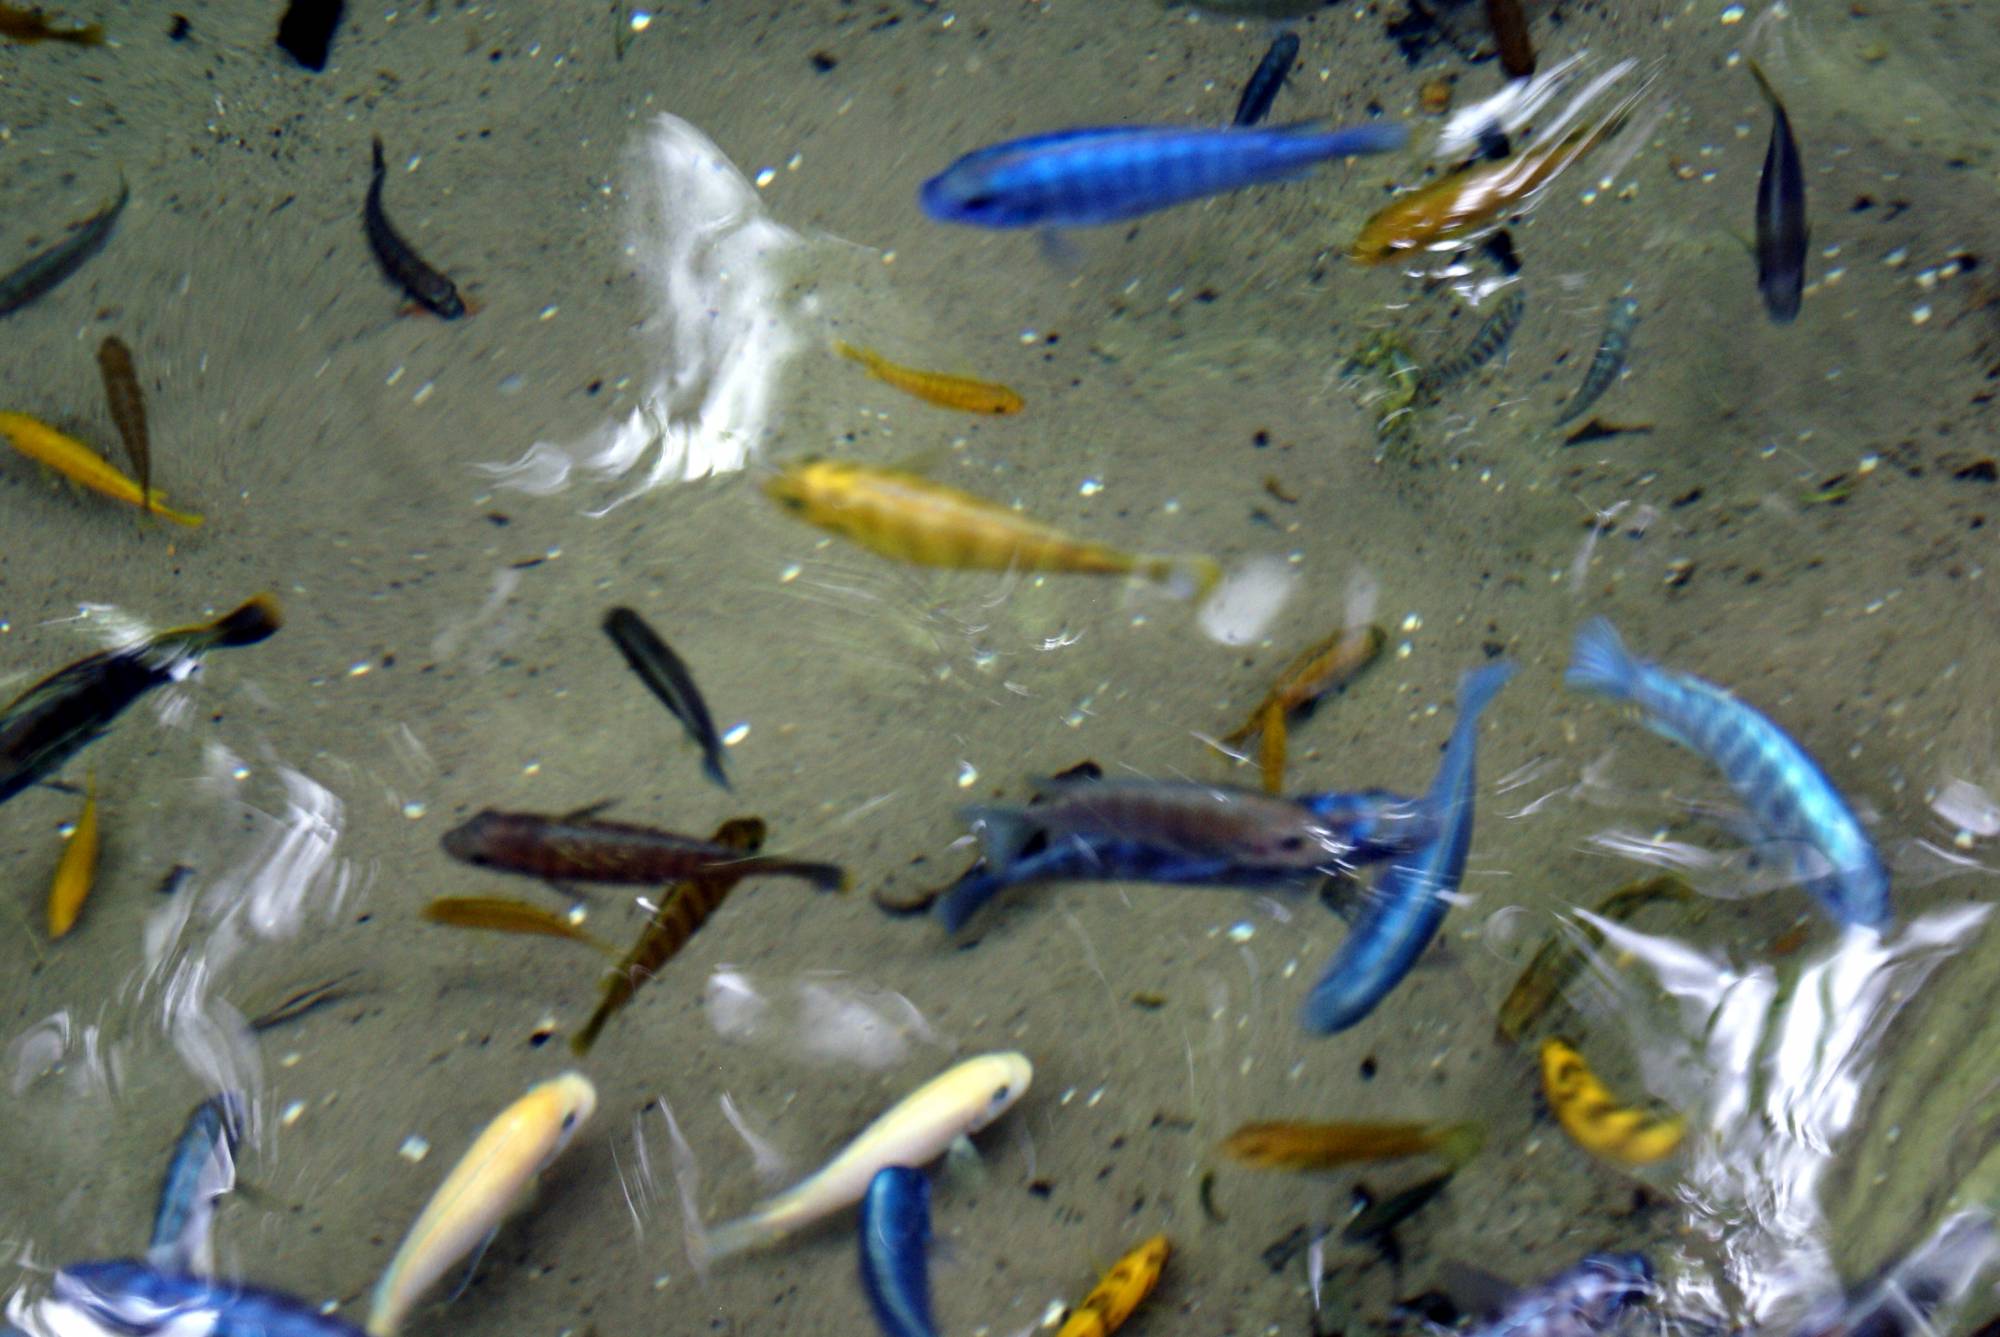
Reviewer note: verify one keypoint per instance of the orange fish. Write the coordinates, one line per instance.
(1321, 1146)
(1334, 662)
(1461, 203)
(934, 387)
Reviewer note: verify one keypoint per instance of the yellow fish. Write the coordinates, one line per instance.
(1589, 1113)
(504, 916)
(914, 1132)
(934, 387)
(1112, 1300)
(78, 462)
(908, 517)
(77, 869)
(488, 1182)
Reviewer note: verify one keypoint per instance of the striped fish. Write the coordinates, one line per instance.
(1784, 788)
(123, 1295)
(1409, 900)
(1580, 1301)
(1620, 319)
(1487, 343)
(201, 1170)
(1081, 178)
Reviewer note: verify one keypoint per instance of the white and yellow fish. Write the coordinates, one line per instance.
(913, 1132)
(488, 1182)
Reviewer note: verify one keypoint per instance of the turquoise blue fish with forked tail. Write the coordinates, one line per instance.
(1081, 178)
(1402, 912)
(1784, 788)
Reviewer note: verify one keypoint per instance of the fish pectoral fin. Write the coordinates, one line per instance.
(478, 1256)
(963, 1164)
(588, 810)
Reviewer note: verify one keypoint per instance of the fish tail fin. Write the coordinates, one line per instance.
(853, 354)
(1191, 578)
(823, 876)
(1479, 686)
(249, 624)
(1460, 1142)
(1600, 662)
(964, 898)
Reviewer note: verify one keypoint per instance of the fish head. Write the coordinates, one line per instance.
(467, 842)
(962, 195)
(567, 1102)
(1001, 1079)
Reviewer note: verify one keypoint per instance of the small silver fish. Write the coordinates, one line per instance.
(1620, 319)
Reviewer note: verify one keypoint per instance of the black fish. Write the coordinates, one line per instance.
(39, 274)
(64, 712)
(667, 678)
(1781, 215)
(1262, 90)
(405, 268)
(1377, 1221)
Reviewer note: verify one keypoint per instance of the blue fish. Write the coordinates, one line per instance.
(1081, 178)
(1784, 788)
(1402, 911)
(1267, 79)
(127, 1296)
(895, 1251)
(200, 1171)
(1372, 825)
(1580, 1301)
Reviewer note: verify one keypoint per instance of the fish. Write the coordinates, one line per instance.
(1463, 203)
(1582, 1300)
(1119, 1292)
(1557, 961)
(1322, 1146)
(580, 848)
(128, 410)
(1366, 827)
(79, 463)
(1408, 902)
(31, 25)
(1787, 793)
(504, 916)
(76, 871)
(67, 711)
(1326, 667)
(1096, 175)
(895, 1251)
(1593, 1117)
(1782, 234)
(1375, 1224)
(303, 1002)
(681, 911)
(42, 272)
(1620, 319)
(667, 678)
(1267, 9)
(1487, 343)
(126, 1296)
(399, 261)
(914, 1131)
(907, 517)
(200, 1172)
(1244, 826)
(934, 387)
(1267, 79)
(488, 1182)
(1509, 22)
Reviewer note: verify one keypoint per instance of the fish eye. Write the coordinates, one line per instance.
(569, 1122)
(1292, 843)
(1001, 1095)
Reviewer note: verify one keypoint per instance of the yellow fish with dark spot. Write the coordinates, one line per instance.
(1589, 1113)
(934, 387)
(79, 463)
(908, 517)
(1112, 1300)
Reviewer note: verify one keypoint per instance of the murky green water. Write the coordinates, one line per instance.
(663, 230)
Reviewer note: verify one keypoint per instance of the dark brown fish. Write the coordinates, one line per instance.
(1781, 215)
(667, 678)
(681, 912)
(304, 1001)
(39, 274)
(31, 25)
(405, 268)
(1560, 958)
(128, 410)
(580, 848)
(71, 708)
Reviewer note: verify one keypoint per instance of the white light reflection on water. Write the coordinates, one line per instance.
(711, 258)
(1777, 1076)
